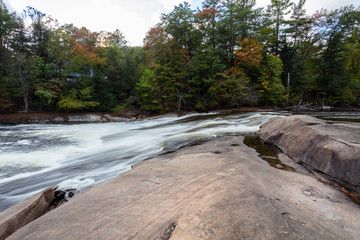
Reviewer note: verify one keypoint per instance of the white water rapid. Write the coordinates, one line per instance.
(34, 157)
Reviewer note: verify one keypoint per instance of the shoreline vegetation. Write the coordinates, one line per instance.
(220, 189)
(226, 54)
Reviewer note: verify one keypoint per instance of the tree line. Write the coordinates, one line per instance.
(226, 54)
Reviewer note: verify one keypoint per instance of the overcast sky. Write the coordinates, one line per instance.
(132, 17)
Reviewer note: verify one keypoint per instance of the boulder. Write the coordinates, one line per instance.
(87, 118)
(25, 212)
(333, 149)
(113, 118)
(59, 119)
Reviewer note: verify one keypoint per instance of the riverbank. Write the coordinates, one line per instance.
(218, 190)
(44, 118)
(84, 117)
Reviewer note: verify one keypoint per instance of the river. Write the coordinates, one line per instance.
(79, 156)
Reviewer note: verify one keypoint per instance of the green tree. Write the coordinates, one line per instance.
(47, 87)
(239, 21)
(180, 25)
(121, 72)
(40, 32)
(171, 65)
(276, 13)
(294, 52)
(334, 29)
(352, 51)
(208, 19)
(78, 100)
(148, 94)
(9, 26)
(234, 87)
(60, 49)
(111, 39)
(271, 88)
(205, 66)
(298, 20)
(172, 75)
(22, 76)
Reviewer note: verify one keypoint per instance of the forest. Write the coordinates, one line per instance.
(227, 54)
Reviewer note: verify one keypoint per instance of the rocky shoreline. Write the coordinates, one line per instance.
(44, 118)
(97, 117)
(221, 189)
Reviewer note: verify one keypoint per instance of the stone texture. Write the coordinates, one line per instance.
(87, 118)
(117, 119)
(24, 212)
(198, 194)
(333, 149)
(59, 119)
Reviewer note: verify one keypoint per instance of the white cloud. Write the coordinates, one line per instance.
(132, 17)
(313, 5)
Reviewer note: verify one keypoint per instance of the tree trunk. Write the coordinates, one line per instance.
(277, 38)
(26, 102)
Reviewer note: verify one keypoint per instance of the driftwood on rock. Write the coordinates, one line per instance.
(310, 108)
(307, 108)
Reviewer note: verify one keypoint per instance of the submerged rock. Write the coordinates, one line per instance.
(333, 149)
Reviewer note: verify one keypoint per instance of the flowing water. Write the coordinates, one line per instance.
(34, 157)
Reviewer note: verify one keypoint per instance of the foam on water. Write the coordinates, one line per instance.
(33, 157)
(77, 183)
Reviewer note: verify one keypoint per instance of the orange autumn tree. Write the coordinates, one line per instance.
(249, 55)
(207, 19)
(85, 50)
(209, 14)
(155, 39)
(85, 61)
(234, 85)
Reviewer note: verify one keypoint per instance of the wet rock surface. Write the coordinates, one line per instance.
(333, 149)
(60, 197)
(218, 190)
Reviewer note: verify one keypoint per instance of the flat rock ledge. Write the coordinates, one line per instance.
(333, 149)
(218, 190)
